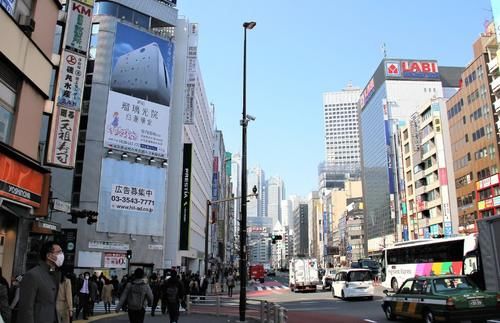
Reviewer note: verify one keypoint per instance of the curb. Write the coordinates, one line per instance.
(100, 317)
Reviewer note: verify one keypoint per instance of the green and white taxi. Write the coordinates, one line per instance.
(441, 299)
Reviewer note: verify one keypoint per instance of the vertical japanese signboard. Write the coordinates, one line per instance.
(70, 83)
(191, 73)
(64, 135)
(185, 198)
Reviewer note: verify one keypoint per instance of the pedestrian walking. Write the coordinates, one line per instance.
(203, 287)
(155, 288)
(107, 294)
(5, 311)
(93, 294)
(14, 298)
(64, 302)
(136, 294)
(230, 284)
(83, 296)
(174, 294)
(39, 287)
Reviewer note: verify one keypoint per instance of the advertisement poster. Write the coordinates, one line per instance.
(131, 198)
(70, 81)
(185, 198)
(137, 117)
(63, 137)
(115, 260)
(136, 125)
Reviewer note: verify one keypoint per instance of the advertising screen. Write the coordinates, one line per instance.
(137, 117)
(131, 198)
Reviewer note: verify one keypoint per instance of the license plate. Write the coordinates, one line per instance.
(475, 302)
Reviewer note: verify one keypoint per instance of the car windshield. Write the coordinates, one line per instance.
(358, 276)
(372, 264)
(452, 284)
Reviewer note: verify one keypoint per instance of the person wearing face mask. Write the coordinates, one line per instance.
(83, 296)
(39, 287)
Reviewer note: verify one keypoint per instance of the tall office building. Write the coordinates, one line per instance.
(341, 128)
(393, 94)
(256, 206)
(275, 190)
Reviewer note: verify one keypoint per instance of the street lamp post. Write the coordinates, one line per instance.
(243, 223)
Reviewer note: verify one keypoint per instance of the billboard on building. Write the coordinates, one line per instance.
(20, 182)
(185, 198)
(61, 150)
(137, 117)
(8, 5)
(411, 69)
(131, 198)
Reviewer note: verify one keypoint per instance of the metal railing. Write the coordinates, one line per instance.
(259, 310)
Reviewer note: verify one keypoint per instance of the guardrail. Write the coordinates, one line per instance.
(262, 311)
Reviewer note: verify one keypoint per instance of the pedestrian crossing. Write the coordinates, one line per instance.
(263, 288)
(99, 308)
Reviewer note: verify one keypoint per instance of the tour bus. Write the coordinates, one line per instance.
(425, 257)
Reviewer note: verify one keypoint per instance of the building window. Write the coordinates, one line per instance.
(8, 94)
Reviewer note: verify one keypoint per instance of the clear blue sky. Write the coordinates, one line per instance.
(301, 49)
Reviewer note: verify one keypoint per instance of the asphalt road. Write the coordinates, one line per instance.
(320, 306)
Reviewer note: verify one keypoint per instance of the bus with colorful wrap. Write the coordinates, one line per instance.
(425, 257)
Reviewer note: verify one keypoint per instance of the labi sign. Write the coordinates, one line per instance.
(412, 69)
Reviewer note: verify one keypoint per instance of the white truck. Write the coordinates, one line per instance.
(303, 274)
(483, 264)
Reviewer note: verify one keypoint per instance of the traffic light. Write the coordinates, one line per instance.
(129, 254)
(275, 237)
(91, 216)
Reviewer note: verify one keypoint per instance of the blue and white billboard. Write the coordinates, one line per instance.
(138, 111)
(131, 198)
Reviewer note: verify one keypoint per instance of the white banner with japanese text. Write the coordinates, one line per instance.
(63, 137)
(136, 125)
(131, 198)
(115, 260)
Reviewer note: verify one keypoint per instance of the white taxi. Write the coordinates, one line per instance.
(353, 283)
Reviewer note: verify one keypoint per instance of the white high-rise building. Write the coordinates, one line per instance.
(341, 128)
(286, 212)
(275, 193)
(256, 206)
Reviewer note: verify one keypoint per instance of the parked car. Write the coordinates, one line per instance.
(441, 298)
(327, 278)
(350, 283)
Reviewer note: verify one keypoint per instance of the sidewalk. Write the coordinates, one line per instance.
(184, 318)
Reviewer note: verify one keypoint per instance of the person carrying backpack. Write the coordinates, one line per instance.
(173, 293)
(136, 293)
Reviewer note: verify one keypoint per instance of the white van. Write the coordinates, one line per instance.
(349, 283)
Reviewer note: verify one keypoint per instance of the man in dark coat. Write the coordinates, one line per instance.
(39, 287)
(173, 293)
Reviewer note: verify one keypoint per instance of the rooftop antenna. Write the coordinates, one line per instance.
(384, 50)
